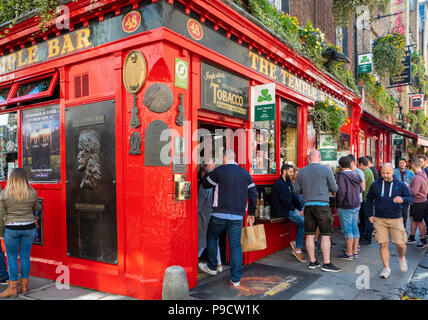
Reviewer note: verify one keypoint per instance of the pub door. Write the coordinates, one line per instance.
(91, 181)
(219, 138)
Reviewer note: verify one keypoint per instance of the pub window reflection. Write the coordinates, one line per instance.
(288, 139)
(8, 144)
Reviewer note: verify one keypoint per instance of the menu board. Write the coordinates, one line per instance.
(41, 143)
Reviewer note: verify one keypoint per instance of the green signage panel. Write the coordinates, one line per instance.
(328, 154)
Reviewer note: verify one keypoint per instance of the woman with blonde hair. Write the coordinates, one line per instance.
(18, 202)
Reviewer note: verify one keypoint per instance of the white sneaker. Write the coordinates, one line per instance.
(203, 267)
(403, 265)
(385, 273)
(235, 284)
(219, 268)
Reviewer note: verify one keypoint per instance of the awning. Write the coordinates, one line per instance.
(387, 126)
(422, 142)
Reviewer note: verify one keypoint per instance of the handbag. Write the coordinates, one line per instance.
(253, 238)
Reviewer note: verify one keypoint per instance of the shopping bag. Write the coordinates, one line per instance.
(253, 238)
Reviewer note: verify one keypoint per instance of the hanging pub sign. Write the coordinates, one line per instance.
(365, 63)
(224, 92)
(263, 102)
(41, 143)
(417, 102)
(403, 79)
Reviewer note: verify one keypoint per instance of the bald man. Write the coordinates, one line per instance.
(316, 182)
(386, 198)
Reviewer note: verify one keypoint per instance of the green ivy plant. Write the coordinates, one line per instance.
(377, 93)
(329, 118)
(419, 119)
(388, 53)
(339, 70)
(285, 26)
(344, 10)
(418, 72)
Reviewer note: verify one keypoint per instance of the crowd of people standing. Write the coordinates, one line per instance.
(368, 205)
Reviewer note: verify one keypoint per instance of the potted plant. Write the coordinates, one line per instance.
(388, 53)
(329, 118)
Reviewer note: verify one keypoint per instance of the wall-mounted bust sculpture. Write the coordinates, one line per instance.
(88, 159)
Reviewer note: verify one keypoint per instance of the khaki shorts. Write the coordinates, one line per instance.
(384, 227)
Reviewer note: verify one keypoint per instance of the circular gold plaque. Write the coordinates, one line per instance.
(134, 71)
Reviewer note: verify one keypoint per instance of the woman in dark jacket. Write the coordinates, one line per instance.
(18, 202)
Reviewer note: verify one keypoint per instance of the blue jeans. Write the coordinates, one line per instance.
(349, 222)
(18, 242)
(3, 268)
(299, 221)
(233, 228)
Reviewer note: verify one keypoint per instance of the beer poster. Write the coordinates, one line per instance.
(40, 143)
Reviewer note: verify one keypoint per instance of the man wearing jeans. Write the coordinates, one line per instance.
(348, 206)
(316, 182)
(233, 186)
(286, 204)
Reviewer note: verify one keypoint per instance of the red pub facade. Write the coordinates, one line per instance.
(84, 108)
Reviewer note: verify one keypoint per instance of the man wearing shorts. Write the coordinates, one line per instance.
(418, 189)
(387, 196)
(316, 182)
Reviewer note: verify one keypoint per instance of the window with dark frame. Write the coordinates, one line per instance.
(289, 134)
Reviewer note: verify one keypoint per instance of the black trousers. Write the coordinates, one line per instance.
(405, 214)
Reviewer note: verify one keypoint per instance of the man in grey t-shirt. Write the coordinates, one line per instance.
(316, 182)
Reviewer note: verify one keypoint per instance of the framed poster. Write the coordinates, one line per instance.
(41, 143)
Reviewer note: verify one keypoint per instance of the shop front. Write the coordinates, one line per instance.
(111, 118)
(383, 141)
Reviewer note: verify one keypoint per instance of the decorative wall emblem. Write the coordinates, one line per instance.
(157, 137)
(131, 22)
(134, 71)
(195, 29)
(158, 98)
(135, 143)
(135, 120)
(88, 159)
(180, 117)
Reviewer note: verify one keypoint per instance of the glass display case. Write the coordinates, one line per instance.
(8, 144)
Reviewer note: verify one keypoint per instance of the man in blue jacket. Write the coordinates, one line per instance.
(388, 195)
(233, 186)
(285, 203)
(404, 175)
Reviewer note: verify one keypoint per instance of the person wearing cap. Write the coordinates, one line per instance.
(404, 175)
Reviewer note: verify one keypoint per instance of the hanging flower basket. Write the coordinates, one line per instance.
(388, 53)
(329, 118)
